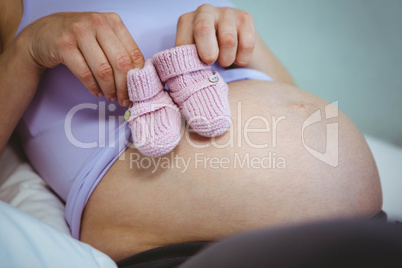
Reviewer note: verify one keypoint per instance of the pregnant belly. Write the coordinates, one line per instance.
(263, 172)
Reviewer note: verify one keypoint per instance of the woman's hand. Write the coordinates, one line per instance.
(96, 47)
(224, 34)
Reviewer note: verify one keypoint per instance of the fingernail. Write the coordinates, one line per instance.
(113, 99)
(126, 103)
(100, 94)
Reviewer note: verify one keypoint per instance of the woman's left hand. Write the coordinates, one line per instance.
(220, 33)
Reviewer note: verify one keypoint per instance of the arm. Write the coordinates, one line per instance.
(96, 47)
(19, 78)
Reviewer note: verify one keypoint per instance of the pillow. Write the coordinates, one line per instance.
(28, 242)
(21, 187)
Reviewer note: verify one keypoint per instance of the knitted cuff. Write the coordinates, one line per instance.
(143, 83)
(179, 60)
(195, 81)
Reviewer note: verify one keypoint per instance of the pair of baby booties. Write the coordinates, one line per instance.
(195, 92)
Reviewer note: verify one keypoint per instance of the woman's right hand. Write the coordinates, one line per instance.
(96, 47)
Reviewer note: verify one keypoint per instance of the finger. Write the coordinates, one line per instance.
(119, 59)
(185, 29)
(205, 37)
(76, 63)
(246, 38)
(227, 37)
(99, 65)
(127, 40)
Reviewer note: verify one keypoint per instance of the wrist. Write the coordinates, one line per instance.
(23, 56)
(17, 70)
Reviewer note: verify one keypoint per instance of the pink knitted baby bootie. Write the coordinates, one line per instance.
(154, 119)
(202, 95)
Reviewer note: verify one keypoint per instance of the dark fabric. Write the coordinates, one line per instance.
(163, 257)
(346, 244)
(176, 254)
(381, 216)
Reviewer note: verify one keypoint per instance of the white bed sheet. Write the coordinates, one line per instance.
(22, 188)
(28, 242)
(33, 230)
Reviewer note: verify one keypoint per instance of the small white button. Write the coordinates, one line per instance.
(213, 78)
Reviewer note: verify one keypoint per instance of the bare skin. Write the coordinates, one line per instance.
(134, 209)
(11, 14)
